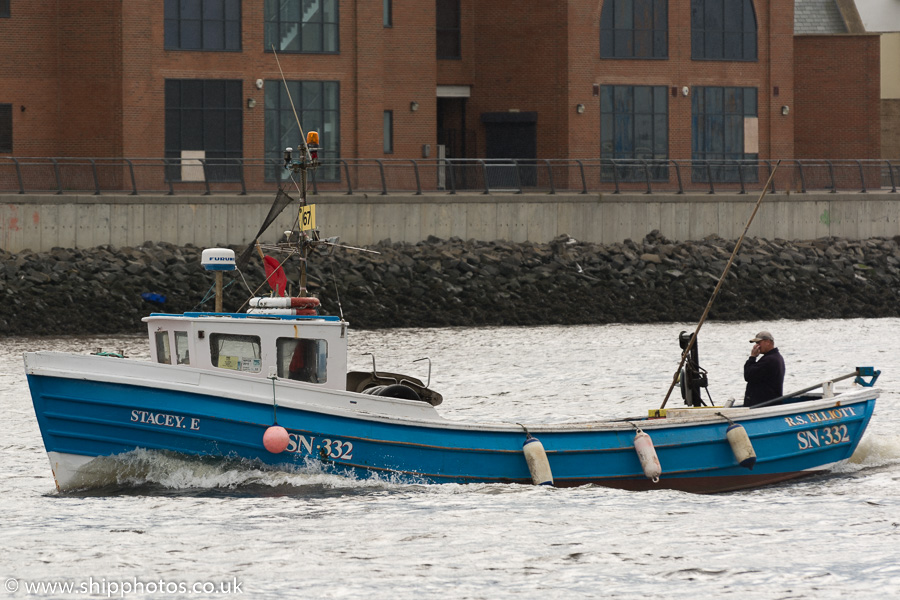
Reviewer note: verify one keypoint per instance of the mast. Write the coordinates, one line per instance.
(309, 159)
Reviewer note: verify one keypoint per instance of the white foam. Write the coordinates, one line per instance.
(175, 472)
(876, 450)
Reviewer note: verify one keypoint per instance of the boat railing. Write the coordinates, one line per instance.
(828, 386)
(386, 176)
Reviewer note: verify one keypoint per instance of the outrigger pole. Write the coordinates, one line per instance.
(715, 293)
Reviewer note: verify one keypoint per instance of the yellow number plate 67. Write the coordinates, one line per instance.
(307, 217)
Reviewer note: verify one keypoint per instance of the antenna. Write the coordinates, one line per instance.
(305, 147)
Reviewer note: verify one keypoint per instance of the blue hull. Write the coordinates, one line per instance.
(90, 418)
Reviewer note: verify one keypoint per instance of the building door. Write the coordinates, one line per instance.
(511, 136)
(451, 126)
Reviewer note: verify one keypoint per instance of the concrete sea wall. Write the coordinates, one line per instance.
(42, 222)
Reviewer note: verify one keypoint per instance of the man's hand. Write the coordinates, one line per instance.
(755, 351)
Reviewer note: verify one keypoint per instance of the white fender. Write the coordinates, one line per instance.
(740, 445)
(643, 445)
(537, 461)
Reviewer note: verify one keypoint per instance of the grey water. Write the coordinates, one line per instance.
(167, 526)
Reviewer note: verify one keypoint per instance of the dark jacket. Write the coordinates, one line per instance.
(764, 376)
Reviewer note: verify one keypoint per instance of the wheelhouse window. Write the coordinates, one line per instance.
(723, 30)
(182, 353)
(202, 25)
(318, 107)
(235, 352)
(163, 351)
(6, 128)
(634, 127)
(447, 28)
(204, 129)
(634, 29)
(725, 130)
(301, 26)
(302, 359)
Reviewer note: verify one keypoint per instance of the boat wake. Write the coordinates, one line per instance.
(876, 451)
(150, 472)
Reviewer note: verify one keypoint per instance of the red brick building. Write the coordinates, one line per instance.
(485, 78)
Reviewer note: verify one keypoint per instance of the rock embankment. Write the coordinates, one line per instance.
(456, 282)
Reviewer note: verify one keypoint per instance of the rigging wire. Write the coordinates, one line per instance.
(266, 280)
(336, 292)
(210, 293)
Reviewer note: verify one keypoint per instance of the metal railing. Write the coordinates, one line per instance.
(57, 175)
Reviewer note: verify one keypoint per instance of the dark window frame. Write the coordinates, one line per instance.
(275, 22)
(634, 29)
(718, 115)
(212, 122)
(448, 29)
(387, 13)
(724, 30)
(278, 107)
(4, 9)
(624, 122)
(6, 128)
(185, 20)
(388, 131)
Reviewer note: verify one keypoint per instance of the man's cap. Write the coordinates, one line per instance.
(762, 335)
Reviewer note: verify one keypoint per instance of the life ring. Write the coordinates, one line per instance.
(303, 302)
(308, 312)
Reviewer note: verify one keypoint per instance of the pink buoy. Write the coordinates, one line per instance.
(275, 439)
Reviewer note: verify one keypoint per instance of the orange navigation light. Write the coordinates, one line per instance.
(312, 141)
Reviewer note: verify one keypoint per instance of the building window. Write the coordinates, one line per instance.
(6, 128)
(204, 131)
(634, 29)
(301, 25)
(387, 13)
(318, 107)
(388, 132)
(4, 8)
(448, 29)
(203, 25)
(723, 30)
(634, 126)
(724, 130)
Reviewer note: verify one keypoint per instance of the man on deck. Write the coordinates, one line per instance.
(763, 371)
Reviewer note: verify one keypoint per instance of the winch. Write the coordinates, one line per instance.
(693, 377)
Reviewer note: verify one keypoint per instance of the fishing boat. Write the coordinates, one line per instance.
(270, 384)
(275, 389)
